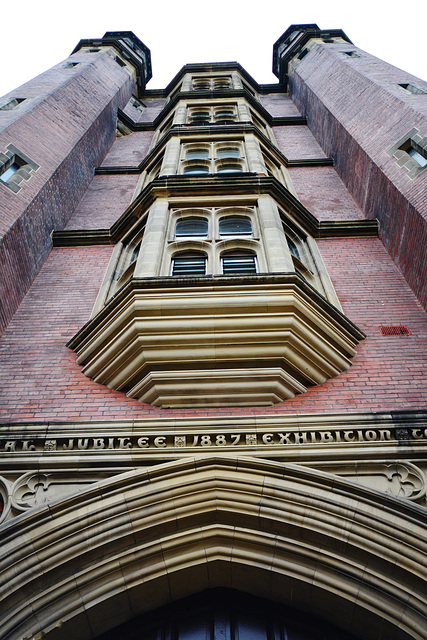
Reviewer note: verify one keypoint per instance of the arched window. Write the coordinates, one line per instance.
(238, 263)
(189, 264)
(191, 228)
(235, 226)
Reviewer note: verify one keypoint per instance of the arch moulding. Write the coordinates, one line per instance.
(311, 540)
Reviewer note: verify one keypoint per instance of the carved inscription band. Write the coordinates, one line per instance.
(204, 440)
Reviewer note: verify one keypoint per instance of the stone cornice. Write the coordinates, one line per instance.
(130, 47)
(186, 131)
(246, 184)
(292, 41)
(209, 95)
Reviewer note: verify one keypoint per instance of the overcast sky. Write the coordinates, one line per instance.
(38, 35)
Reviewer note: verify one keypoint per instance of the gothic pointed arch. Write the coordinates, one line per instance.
(134, 542)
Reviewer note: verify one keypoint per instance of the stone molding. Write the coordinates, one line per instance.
(221, 341)
(266, 528)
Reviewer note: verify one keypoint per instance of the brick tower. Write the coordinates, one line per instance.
(212, 392)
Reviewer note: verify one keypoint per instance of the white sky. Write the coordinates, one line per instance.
(39, 34)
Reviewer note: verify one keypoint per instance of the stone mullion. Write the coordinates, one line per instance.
(152, 246)
(244, 115)
(180, 116)
(254, 155)
(276, 248)
(171, 157)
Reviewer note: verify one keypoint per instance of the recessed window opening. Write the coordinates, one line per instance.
(351, 54)
(201, 84)
(10, 171)
(191, 228)
(411, 88)
(120, 62)
(235, 226)
(222, 83)
(69, 65)
(420, 159)
(12, 103)
(189, 264)
(224, 113)
(293, 248)
(238, 263)
(94, 50)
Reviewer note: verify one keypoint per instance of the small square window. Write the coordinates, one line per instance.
(15, 168)
(11, 103)
(9, 172)
(418, 157)
(411, 88)
(351, 54)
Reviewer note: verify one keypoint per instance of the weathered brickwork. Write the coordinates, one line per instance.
(105, 200)
(67, 134)
(358, 138)
(40, 380)
(297, 143)
(150, 110)
(130, 150)
(279, 105)
(324, 194)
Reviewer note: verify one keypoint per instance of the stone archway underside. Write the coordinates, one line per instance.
(319, 543)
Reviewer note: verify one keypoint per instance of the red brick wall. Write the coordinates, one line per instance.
(357, 112)
(105, 200)
(40, 380)
(324, 194)
(279, 104)
(67, 134)
(297, 142)
(130, 150)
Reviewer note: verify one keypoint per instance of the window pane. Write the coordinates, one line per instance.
(229, 168)
(189, 265)
(417, 157)
(191, 227)
(202, 84)
(224, 113)
(196, 115)
(235, 226)
(228, 152)
(238, 264)
(196, 169)
(197, 154)
(9, 172)
(293, 247)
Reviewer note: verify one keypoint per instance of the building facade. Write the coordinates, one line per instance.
(214, 349)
